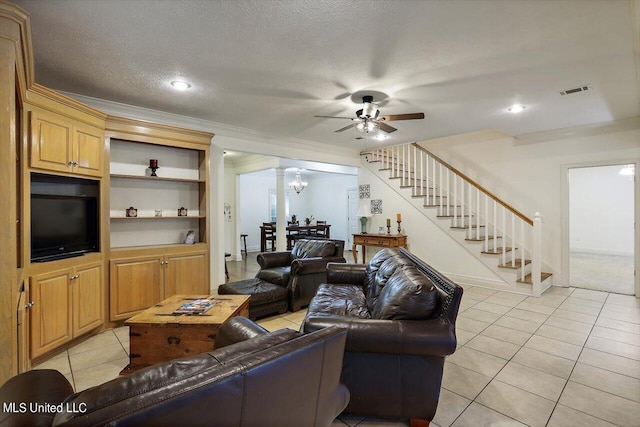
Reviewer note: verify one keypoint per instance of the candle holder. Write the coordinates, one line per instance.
(388, 229)
(399, 228)
(153, 165)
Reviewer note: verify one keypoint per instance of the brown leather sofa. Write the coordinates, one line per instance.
(252, 382)
(302, 269)
(399, 314)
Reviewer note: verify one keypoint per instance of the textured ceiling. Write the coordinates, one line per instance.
(270, 66)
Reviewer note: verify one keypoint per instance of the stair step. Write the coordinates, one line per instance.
(498, 251)
(517, 264)
(466, 227)
(529, 279)
(423, 195)
(437, 205)
(452, 216)
(481, 239)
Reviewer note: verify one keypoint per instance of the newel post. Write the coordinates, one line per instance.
(536, 255)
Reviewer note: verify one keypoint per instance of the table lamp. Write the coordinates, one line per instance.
(363, 212)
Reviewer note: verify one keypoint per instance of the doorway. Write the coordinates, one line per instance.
(601, 227)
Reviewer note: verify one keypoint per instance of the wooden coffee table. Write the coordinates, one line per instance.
(156, 335)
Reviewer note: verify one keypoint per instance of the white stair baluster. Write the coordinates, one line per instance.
(477, 222)
(521, 250)
(513, 240)
(486, 222)
(495, 225)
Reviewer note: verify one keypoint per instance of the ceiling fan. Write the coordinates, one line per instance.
(368, 118)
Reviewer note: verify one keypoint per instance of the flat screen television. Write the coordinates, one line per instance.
(63, 226)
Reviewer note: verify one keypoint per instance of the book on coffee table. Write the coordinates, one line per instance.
(195, 307)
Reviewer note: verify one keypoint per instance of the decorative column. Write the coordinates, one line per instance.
(281, 220)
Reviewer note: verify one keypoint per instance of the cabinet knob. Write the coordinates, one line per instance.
(74, 277)
(29, 305)
(70, 163)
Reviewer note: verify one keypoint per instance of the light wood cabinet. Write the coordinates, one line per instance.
(138, 282)
(186, 274)
(134, 285)
(87, 293)
(62, 145)
(64, 305)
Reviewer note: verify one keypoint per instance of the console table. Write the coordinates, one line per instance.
(380, 240)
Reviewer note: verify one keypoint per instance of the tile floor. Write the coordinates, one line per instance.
(569, 358)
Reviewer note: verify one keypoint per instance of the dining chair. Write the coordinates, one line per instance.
(270, 233)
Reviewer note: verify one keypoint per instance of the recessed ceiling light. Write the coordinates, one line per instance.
(516, 108)
(180, 84)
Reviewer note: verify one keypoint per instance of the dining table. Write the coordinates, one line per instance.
(297, 232)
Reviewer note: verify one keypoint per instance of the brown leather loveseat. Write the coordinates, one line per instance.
(399, 314)
(302, 269)
(250, 383)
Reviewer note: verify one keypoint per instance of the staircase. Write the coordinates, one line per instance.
(504, 239)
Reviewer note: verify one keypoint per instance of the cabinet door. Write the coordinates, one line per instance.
(135, 285)
(87, 152)
(186, 274)
(50, 316)
(50, 142)
(86, 285)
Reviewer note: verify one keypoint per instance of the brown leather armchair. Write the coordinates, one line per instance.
(302, 269)
(251, 381)
(399, 314)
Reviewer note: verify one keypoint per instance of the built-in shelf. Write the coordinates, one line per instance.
(159, 217)
(155, 178)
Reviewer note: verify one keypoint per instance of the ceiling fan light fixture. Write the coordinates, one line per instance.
(298, 184)
(369, 110)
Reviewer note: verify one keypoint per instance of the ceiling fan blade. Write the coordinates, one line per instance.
(334, 117)
(410, 116)
(345, 128)
(385, 127)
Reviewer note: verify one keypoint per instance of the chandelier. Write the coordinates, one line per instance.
(297, 184)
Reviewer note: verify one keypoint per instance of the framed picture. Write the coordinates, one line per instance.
(376, 206)
(364, 191)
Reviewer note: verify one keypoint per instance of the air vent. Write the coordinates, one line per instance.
(575, 90)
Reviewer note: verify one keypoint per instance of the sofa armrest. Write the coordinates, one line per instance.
(43, 386)
(237, 329)
(348, 274)
(313, 265)
(434, 337)
(274, 259)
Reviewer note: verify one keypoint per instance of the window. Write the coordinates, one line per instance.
(272, 204)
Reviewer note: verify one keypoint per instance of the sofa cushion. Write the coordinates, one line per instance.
(383, 273)
(342, 300)
(276, 275)
(407, 295)
(313, 248)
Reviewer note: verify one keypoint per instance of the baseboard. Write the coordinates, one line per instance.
(482, 282)
(596, 251)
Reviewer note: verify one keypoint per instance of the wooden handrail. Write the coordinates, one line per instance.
(478, 186)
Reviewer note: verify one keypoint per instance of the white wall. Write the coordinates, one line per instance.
(424, 238)
(601, 211)
(327, 201)
(325, 198)
(531, 176)
(253, 204)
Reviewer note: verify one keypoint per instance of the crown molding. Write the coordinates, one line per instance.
(258, 143)
(623, 125)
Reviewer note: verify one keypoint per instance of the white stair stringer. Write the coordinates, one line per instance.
(399, 166)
